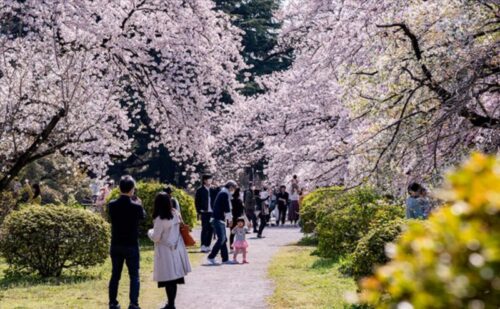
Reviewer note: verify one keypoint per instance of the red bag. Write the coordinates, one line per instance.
(185, 231)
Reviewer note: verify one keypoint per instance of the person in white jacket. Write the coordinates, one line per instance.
(171, 260)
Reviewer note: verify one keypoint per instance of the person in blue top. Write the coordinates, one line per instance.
(222, 213)
(414, 205)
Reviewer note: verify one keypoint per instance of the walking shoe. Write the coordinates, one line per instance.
(116, 306)
(245, 262)
(204, 249)
(229, 262)
(260, 236)
(211, 261)
(133, 307)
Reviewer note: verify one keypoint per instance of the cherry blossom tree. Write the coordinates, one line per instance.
(71, 70)
(381, 91)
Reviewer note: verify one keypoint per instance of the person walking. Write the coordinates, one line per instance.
(221, 214)
(264, 211)
(240, 245)
(293, 212)
(203, 204)
(171, 260)
(250, 204)
(125, 216)
(282, 205)
(237, 211)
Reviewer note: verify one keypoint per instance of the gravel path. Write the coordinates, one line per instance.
(236, 286)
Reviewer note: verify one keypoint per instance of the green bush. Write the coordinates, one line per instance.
(48, 239)
(7, 204)
(370, 250)
(147, 192)
(341, 229)
(314, 204)
(451, 260)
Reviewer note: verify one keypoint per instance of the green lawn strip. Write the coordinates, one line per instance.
(87, 289)
(303, 280)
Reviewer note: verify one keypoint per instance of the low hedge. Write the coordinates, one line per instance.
(48, 239)
(352, 218)
(147, 192)
(314, 204)
(371, 249)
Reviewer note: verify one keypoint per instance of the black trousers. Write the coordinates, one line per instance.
(263, 223)
(207, 230)
(252, 218)
(282, 214)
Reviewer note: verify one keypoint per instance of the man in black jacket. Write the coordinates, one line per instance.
(125, 215)
(222, 214)
(203, 202)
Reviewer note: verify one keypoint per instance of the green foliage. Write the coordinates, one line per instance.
(147, 192)
(256, 19)
(453, 259)
(7, 204)
(371, 249)
(348, 217)
(59, 178)
(313, 206)
(48, 239)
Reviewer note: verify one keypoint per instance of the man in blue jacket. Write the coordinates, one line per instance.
(221, 214)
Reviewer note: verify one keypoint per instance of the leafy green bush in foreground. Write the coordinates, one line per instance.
(453, 260)
(48, 239)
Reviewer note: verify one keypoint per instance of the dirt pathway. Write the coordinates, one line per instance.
(236, 286)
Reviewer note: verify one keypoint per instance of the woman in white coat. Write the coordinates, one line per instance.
(171, 261)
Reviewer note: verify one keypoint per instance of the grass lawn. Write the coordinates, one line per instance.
(86, 289)
(306, 281)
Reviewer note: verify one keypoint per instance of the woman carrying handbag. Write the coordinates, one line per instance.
(171, 260)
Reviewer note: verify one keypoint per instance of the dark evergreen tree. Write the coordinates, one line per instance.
(256, 19)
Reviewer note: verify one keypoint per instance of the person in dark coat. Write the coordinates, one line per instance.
(125, 216)
(250, 207)
(283, 199)
(203, 202)
(238, 211)
(221, 214)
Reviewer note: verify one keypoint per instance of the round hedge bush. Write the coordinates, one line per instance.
(370, 250)
(48, 239)
(147, 192)
(318, 204)
(340, 230)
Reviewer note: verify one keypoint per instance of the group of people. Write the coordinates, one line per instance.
(171, 261)
(229, 207)
(217, 207)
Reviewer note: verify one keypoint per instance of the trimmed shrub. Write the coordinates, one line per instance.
(314, 204)
(147, 192)
(48, 239)
(370, 250)
(341, 229)
(453, 259)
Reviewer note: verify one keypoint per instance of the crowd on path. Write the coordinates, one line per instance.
(218, 209)
(241, 211)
